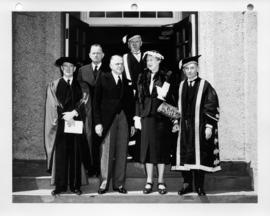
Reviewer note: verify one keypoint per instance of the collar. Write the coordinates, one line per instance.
(94, 65)
(66, 79)
(115, 76)
(193, 79)
(136, 53)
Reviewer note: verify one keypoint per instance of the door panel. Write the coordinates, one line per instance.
(77, 38)
(186, 37)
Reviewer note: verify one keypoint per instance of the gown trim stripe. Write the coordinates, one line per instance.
(126, 67)
(179, 134)
(197, 123)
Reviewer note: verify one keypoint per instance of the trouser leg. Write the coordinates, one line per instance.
(105, 161)
(187, 175)
(199, 178)
(121, 144)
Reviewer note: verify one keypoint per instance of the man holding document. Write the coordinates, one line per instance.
(68, 129)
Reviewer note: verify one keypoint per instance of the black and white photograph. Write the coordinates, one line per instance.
(137, 104)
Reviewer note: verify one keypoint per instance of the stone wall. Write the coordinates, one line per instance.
(37, 43)
(228, 45)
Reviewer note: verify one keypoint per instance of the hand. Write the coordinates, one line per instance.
(99, 129)
(160, 93)
(208, 133)
(137, 123)
(175, 128)
(67, 116)
(132, 131)
(71, 122)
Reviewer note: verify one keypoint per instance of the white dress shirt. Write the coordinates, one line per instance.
(137, 56)
(115, 76)
(151, 83)
(94, 66)
(66, 79)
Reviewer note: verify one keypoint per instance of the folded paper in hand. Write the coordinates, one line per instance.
(169, 111)
(76, 128)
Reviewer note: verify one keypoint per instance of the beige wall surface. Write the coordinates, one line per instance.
(36, 45)
(228, 45)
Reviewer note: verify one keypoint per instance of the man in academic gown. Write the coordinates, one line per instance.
(89, 74)
(134, 65)
(67, 153)
(113, 120)
(197, 148)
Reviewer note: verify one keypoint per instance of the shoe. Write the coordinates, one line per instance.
(185, 190)
(120, 189)
(148, 190)
(56, 192)
(200, 191)
(102, 190)
(162, 190)
(76, 191)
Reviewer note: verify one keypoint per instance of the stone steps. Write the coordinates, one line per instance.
(43, 196)
(212, 183)
(31, 184)
(31, 175)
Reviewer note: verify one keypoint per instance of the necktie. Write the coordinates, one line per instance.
(119, 82)
(95, 71)
(68, 82)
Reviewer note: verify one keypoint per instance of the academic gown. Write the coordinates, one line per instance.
(199, 106)
(67, 154)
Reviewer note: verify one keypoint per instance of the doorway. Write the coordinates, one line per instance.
(174, 41)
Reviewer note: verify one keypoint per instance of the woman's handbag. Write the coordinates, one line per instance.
(169, 111)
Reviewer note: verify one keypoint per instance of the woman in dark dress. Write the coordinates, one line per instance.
(153, 86)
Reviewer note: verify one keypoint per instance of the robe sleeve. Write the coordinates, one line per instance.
(211, 107)
(51, 121)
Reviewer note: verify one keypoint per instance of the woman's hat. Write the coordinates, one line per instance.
(153, 53)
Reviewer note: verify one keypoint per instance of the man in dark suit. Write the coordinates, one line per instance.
(89, 73)
(134, 65)
(113, 118)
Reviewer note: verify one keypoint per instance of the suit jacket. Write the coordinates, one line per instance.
(107, 101)
(86, 74)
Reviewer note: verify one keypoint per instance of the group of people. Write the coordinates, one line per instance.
(91, 119)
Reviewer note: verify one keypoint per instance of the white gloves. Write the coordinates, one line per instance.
(162, 91)
(99, 129)
(68, 116)
(137, 122)
(208, 133)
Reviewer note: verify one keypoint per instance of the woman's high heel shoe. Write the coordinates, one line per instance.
(148, 188)
(162, 188)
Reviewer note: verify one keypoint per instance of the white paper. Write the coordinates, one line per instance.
(76, 128)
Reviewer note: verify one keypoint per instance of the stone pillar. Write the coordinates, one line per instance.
(228, 45)
(37, 43)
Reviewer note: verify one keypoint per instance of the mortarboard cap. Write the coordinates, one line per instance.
(61, 60)
(130, 36)
(188, 60)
